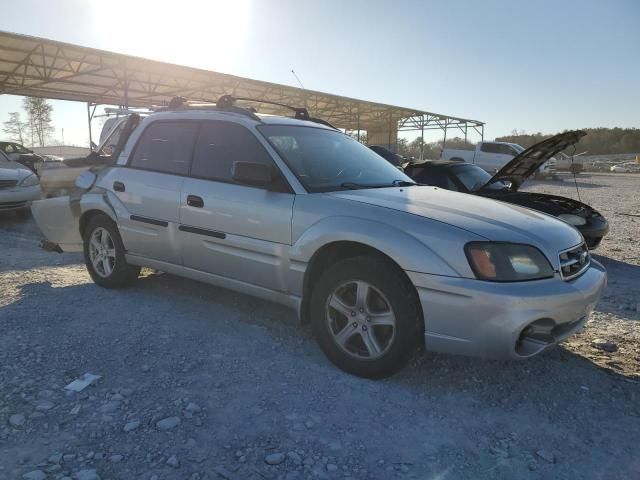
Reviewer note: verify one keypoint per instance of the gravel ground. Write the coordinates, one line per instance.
(201, 383)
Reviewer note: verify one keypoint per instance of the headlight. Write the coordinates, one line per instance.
(29, 181)
(571, 219)
(507, 262)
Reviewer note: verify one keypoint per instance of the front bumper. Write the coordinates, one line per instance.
(18, 198)
(505, 320)
(593, 232)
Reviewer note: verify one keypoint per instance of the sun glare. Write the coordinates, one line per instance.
(206, 34)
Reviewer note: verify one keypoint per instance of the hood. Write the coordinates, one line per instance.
(551, 204)
(488, 218)
(13, 170)
(524, 165)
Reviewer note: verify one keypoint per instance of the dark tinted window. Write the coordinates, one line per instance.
(219, 145)
(489, 147)
(506, 150)
(436, 177)
(166, 147)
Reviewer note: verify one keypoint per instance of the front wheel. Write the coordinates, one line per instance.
(104, 254)
(365, 316)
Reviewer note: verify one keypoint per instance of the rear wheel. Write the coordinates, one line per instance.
(365, 317)
(104, 254)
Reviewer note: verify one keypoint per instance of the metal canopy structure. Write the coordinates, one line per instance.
(33, 66)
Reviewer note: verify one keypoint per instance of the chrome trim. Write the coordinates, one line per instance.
(575, 255)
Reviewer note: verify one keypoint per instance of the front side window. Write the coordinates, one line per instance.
(220, 145)
(166, 147)
(327, 160)
(7, 148)
(20, 149)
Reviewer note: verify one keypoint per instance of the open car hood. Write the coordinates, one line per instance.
(524, 165)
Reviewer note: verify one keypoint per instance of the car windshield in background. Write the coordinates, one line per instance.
(474, 178)
(326, 160)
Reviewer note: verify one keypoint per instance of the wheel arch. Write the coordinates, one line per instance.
(86, 217)
(336, 251)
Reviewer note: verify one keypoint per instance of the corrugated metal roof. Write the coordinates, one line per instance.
(34, 66)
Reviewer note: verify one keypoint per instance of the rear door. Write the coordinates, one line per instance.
(149, 187)
(229, 229)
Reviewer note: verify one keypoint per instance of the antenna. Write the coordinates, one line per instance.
(573, 171)
(296, 76)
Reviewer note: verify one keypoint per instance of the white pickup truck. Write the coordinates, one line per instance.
(492, 156)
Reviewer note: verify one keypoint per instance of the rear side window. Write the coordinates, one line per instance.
(166, 147)
(219, 145)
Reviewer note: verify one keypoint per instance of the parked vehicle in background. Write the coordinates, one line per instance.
(395, 159)
(492, 156)
(295, 211)
(504, 185)
(60, 180)
(19, 186)
(626, 168)
(18, 153)
(568, 163)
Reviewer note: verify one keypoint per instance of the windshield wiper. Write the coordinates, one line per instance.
(403, 183)
(395, 183)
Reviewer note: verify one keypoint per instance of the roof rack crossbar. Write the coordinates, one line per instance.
(227, 103)
(181, 103)
(301, 113)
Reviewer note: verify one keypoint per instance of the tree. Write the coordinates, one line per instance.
(39, 120)
(15, 128)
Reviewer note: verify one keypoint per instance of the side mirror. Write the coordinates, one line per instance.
(85, 180)
(251, 173)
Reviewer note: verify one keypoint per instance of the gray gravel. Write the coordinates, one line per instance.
(254, 397)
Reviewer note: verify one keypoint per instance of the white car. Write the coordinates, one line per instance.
(626, 168)
(492, 156)
(19, 186)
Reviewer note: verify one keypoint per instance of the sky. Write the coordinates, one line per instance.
(544, 65)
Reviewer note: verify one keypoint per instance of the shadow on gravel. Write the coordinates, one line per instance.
(618, 269)
(620, 297)
(554, 371)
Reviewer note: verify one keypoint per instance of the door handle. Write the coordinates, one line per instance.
(195, 201)
(118, 186)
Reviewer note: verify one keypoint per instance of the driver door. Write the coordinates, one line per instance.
(232, 230)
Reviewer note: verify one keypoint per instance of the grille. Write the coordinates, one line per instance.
(574, 261)
(8, 183)
(12, 205)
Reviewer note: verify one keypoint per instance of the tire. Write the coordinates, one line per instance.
(104, 254)
(375, 348)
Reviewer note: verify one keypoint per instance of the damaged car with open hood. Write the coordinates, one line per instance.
(504, 185)
(294, 211)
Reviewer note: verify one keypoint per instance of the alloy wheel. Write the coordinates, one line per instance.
(361, 320)
(102, 252)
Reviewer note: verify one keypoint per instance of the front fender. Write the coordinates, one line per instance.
(406, 250)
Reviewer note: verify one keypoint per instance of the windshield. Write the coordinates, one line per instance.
(474, 178)
(326, 160)
(518, 148)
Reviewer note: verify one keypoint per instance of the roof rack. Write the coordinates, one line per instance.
(181, 103)
(227, 103)
(301, 113)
